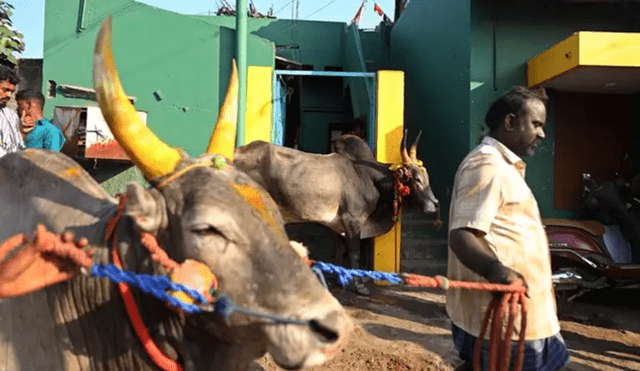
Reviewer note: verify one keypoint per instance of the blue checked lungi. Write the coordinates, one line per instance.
(548, 354)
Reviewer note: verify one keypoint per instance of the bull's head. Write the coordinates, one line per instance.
(218, 216)
(415, 176)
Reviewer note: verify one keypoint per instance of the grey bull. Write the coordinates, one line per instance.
(216, 216)
(347, 191)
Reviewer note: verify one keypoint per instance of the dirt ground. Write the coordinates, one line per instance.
(402, 329)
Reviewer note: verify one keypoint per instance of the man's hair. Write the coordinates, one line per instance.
(8, 74)
(31, 95)
(512, 102)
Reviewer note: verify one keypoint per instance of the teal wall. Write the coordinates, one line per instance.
(430, 42)
(375, 47)
(523, 29)
(313, 43)
(322, 102)
(188, 60)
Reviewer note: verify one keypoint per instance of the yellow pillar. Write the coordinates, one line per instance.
(389, 124)
(259, 116)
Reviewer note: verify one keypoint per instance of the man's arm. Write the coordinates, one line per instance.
(466, 244)
(54, 140)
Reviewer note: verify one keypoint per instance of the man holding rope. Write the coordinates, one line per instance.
(496, 234)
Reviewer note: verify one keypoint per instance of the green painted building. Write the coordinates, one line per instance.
(458, 55)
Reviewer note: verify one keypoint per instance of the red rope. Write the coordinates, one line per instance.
(400, 190)
(61, 245)
(157, 253)
(500, 341)
(156, 355)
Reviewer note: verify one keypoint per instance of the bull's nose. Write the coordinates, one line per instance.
(327, 329)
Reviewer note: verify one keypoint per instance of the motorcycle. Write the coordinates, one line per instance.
(589, 255)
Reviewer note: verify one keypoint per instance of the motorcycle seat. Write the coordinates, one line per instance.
(590, 226)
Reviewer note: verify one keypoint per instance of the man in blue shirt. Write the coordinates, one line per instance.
(37, 131)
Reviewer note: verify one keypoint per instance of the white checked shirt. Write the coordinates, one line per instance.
(10, 137)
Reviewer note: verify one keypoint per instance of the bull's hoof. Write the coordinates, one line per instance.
(359, 287)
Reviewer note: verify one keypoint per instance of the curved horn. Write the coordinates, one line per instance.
(153, 157)
(403, 148)
(223, 139)
(413, 150)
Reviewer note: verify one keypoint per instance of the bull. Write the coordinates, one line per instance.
(212, 214)
(347, 191)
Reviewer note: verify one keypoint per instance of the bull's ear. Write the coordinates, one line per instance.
(146, 208)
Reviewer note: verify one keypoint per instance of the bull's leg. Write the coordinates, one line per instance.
(353, 247)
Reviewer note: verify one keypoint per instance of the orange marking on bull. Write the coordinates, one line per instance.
(71, 172)
(256, 198)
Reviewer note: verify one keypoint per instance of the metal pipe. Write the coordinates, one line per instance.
(568, 251)
(241, 57)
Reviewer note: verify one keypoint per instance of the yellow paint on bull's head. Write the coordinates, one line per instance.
(256, 198)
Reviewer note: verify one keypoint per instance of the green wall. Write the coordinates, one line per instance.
(184, 58)
(430, 42)
(522, 30)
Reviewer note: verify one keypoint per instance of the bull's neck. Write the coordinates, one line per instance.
(98, 305)
(382, 185)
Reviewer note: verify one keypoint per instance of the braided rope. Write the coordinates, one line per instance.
(153, 285)
(346, 275)
(500, 341)
(158, 254)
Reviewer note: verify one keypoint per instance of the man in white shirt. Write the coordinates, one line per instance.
(496, 234)
(10, 138)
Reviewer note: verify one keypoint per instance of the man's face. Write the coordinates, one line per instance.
(27, 122)
(528, 128)
(6, 89)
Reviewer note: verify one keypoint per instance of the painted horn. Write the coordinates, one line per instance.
(403, 148)
(153, 157)
(223, 139)
(413, 150)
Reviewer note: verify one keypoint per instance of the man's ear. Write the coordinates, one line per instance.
(146, 208)
(509, 122)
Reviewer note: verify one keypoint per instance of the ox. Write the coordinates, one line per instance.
(347, 191)
(216, 216)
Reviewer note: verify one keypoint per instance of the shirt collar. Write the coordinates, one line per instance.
(508, 155)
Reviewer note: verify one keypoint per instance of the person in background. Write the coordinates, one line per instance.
(10, 138)
(37, 131)
(496, 234)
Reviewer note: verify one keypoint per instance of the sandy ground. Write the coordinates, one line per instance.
(402, 329)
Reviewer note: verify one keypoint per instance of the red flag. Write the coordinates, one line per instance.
(356, 18)
(378, 9)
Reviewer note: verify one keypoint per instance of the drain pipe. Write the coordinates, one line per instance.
(241, 57)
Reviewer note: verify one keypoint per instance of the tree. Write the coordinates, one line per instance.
(11, 40)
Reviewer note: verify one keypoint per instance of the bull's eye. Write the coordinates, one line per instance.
(205, 230)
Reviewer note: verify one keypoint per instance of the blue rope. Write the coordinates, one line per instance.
(158, 285)
(346, 275)
(153, 285)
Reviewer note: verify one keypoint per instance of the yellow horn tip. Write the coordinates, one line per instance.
(153, 157)
(223, 139)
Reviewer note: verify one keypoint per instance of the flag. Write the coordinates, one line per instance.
(378, 9)
(356, 18)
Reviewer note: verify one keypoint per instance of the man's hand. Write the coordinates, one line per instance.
(27, 123)
(467, 245)
(34, 267)
(498, 273)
